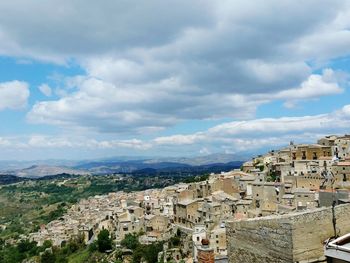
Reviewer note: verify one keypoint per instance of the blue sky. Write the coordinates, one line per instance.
(91, 80)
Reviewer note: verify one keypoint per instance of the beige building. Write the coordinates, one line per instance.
(304, 199)
(186, 212)
(128, 223)
(156, 223)
(209, 212)
(341, 148)
(265, 197)
(218, 241)
(227, 185)
(341, 171)
(327, 140)
(309, 152)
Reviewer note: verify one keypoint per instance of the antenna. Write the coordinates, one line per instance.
(329, 176)
(334, 219)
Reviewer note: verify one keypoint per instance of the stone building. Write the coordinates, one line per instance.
(198, 235)
(341, 148)
(186, 214)
(309, 152)
(341, 171)
(218, 241)
(265, 197)
(157, 223)
(304, 199)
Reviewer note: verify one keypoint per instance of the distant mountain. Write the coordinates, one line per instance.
(202, 163)
(38, 171)
(124, 164)
(200, 160)
(193, 170)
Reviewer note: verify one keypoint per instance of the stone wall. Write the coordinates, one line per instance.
(296, 237)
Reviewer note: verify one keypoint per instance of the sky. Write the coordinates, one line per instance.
(91, 79)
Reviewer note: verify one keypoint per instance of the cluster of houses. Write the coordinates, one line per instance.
(298, 177)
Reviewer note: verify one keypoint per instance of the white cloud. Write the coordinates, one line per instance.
(233, 137)
(66, 142)
(45, 89)
(178, 139)
(314, 87)
(213, 61)
(147, 71)
(13, 95)
(144, 108)
(259, 133)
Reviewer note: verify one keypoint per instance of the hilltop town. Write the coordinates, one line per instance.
(299, 177)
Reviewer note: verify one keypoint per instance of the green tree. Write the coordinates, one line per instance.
(104, 242)
(151, 252)
(47, 244)
(93, 247)
(174, 241)
(131, 241)
(138, 254)
(47, 257)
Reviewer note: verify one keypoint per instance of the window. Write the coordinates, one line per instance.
(304, 155)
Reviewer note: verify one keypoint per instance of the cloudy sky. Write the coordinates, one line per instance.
(84, 79)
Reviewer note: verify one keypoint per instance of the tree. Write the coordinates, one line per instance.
(93, 247)
(151, 252)
(131, 241)
(103, 241)
(47, 257)
(174, 241)
(47, 244)
(138, 254)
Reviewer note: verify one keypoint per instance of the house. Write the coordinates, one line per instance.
(185, 212)
(218, 241)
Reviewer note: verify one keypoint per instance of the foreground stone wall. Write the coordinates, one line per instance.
(296, 237)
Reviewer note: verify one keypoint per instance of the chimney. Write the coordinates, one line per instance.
(205, 253)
